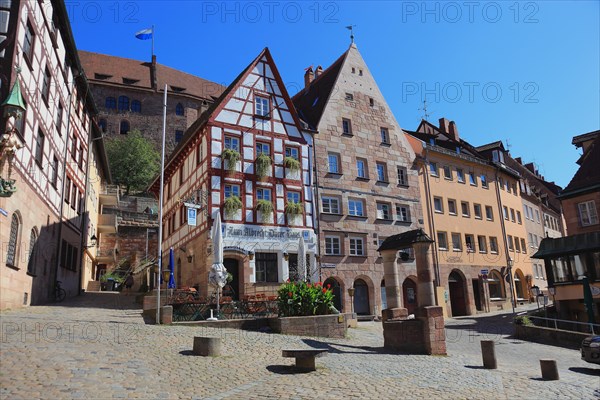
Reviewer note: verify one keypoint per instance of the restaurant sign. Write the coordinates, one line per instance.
(265, 233)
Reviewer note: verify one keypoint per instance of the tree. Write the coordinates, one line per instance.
(134, 162)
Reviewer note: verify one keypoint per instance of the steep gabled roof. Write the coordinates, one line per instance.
(587, 176)
(427, 131)
(310, 102)
(491, 146)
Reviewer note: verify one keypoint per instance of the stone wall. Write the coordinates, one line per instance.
(331, 326)
(554, 337)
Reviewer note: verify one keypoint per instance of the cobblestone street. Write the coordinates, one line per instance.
(97, 346)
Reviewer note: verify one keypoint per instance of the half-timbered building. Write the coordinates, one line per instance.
(247, 158)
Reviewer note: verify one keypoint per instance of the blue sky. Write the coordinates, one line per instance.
(526, 73)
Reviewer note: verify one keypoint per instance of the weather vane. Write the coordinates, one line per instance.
(351, 29)
(424, 109)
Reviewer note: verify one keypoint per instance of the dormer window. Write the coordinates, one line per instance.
(102, 77)
(498, 156)
(349, 97)
(262, 107)
(130, 81)
(177, 89)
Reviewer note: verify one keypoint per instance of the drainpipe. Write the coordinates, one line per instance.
(431, 220)
(316, 207)
(505, 241)
(62, 194)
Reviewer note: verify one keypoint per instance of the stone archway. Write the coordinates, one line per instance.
(338, 293)
(409, 294)
(458, 293)
(232, 289)
(361, 297)
(520, 285)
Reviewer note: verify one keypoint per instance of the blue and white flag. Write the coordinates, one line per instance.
(144, 34)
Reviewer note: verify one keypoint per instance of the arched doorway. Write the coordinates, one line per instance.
(519, 285)
(361, 297)
(456, 286)
(409, 292)
(338, 301)
(232, 289)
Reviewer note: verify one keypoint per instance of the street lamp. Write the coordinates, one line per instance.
(535, 289)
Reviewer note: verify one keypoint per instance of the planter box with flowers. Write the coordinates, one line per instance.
(294, 211)
(264, 210)
(232, 206)
(306, 309)
(230, 159)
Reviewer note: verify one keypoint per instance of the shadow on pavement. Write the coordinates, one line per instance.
(187, 353)
(475, 366)
(586, 371)
(333, 348)
(286, 370)
(104, 300)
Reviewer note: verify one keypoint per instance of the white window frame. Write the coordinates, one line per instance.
(333, 168)
(263, 194)
(330, 245)
(450, 203)
(353, 209)
(402, 175)
(447, 172)
(433, 169)
(477, 215)
(262, 106)
(444, 245)
(460, 175)
(330, 205)
(489, 217)
(402, 213)
(385, 135)
(381, 211)
(439, 210)
(357, 246)
(493, 245)
(361, 172)
(453, 236)
(229, 190)
(462, 209)
(382, 175)
(470, 248)
(231, 142)
(482, 244)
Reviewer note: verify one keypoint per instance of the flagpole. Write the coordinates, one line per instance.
(153, 46)
(160, 212)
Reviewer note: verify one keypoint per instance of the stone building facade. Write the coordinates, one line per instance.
(254, 119)
(130, 93)
(366, 186)
(43, 222)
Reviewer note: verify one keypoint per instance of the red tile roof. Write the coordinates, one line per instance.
(117, 68)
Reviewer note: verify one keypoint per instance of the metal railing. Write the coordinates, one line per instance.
(567, 325)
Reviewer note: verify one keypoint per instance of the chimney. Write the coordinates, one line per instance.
(453, 131)
(318, 72)
(444, 125)
(153, 73)
(519, 160)
(309, 76)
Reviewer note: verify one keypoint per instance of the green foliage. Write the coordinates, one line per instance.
(232, 204)
(133, 160)
(293, 208)
(114, 275)
(523, 320)
(303, 299)
(232, 157)
(292, 164)
(265, 207)
(262, 165)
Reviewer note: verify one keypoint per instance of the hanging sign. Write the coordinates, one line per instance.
(191, 216)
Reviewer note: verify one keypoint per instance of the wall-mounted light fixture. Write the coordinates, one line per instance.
(286, 256)
(93, 242)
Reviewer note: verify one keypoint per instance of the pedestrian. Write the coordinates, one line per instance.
(128, 283)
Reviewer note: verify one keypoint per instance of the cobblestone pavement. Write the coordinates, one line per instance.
(97, 346)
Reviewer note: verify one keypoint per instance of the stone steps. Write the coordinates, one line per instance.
(93, 286)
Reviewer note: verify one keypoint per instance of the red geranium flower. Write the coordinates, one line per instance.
(320, 283)
(328, 285)
(324, 290)
(290, 294)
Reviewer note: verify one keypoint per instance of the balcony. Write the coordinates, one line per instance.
(109, 195)
(106, 256)
(107, 223)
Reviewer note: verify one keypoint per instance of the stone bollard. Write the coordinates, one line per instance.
(166, 315)
(207, 346)
(549, 370)
(488, 351)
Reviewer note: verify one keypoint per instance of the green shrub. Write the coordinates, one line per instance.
(265, 207)
(232, 204)
(232, 157)
(262, 165)
(293, 208)
(523, 320)
(303, 299)
(292, 164)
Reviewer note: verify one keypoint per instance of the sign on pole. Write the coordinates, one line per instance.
(191, 216)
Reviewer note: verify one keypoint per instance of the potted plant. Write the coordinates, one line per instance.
(293, 209)
(292, 164)
(265, 207)
(262, 164)
(232, 204)
(232, 157)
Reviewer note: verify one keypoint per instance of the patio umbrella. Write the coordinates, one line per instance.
(171, 269)
(302, 260)
(217, 276)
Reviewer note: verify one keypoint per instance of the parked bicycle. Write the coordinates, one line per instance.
(59, 293)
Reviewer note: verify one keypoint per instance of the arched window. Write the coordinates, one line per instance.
(179, 109)
(124, 130)
(102, 124)
(136, 106)
(110, 103)
(123, 103)
(33, 236)
(495, 284)
(13, 241)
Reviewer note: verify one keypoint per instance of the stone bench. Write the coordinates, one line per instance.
(305, 359)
